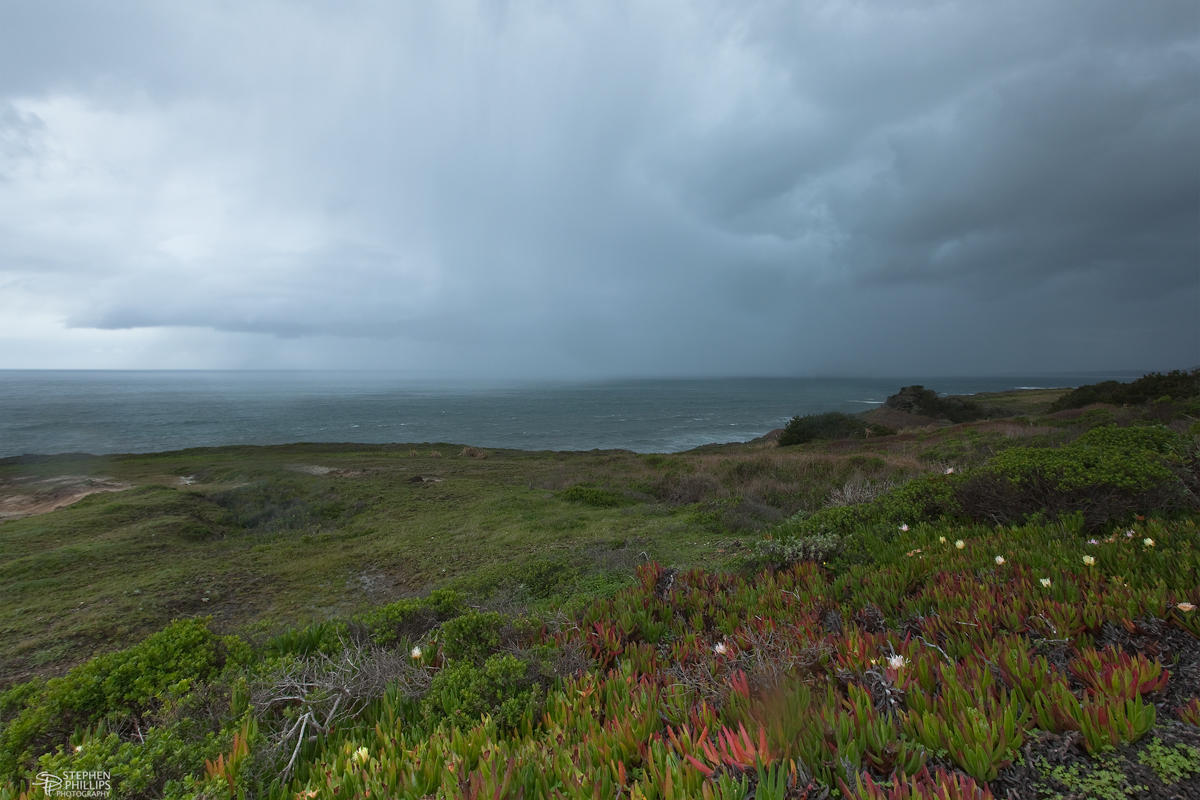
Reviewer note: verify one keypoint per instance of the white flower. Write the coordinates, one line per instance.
(904, 527)
(1129, 534)
(896, 662)
(1185, 607)
(949, 471)
(1092, 541)
(416, 653)
(1148, 542)
(1044, 582)
(942, 539)
(720, 648)
(999, 560)
(361, 755)
(960, 544)
(1089, 560)
(78, 748)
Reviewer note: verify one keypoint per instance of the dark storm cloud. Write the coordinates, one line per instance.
(569, 189)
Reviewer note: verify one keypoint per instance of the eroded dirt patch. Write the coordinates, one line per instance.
(27, 496)
(317, 469)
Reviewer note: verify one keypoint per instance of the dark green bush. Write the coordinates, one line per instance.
(543, 577)
(165, 665)
(1107, 475)
(927, 498)
(412, 617)
(473, 636)
(592, 496)
(1155, 438)
(504, 686)
(927, 403)
(1176, 385)
(834, 425)
(164, 763)
(269, 507)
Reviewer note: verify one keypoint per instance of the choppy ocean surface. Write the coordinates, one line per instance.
(124, 412)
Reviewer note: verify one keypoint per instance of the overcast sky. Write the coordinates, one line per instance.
(599, 189)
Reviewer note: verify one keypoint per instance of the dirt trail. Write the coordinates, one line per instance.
(24, 497)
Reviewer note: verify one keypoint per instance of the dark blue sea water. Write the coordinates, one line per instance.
(123, 412)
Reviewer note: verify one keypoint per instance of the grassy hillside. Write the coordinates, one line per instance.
(1000, 608)
(261, 538)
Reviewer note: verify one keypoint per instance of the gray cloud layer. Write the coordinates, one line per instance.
(589, 189)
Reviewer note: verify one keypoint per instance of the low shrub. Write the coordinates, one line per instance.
(164, 762)
(473, 636)
(683, 490)
(782, 553)
(542, 577)
(1107, 475)
(1176, 384)
(927, 403)
(273, 506)
(834, 425)
(411, 618)
(592, 496)
(165, 665)
(504, 687)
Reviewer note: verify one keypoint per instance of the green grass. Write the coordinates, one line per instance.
(260, 544)
(813, 565)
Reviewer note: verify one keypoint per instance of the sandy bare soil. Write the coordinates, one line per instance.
(23, 497)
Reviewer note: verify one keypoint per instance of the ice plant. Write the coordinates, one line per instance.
(960, 544)
(904, 527)
(1148, 542)
(1089, 560)
(360, 755)
(999, 560)
(416, 653)
(897, 662)
(1044, 582)
(720, 648)
(942, 539)
(1185, 607)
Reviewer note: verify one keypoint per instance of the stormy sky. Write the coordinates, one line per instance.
(601, 189)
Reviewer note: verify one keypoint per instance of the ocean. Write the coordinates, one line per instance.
(106, 412)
